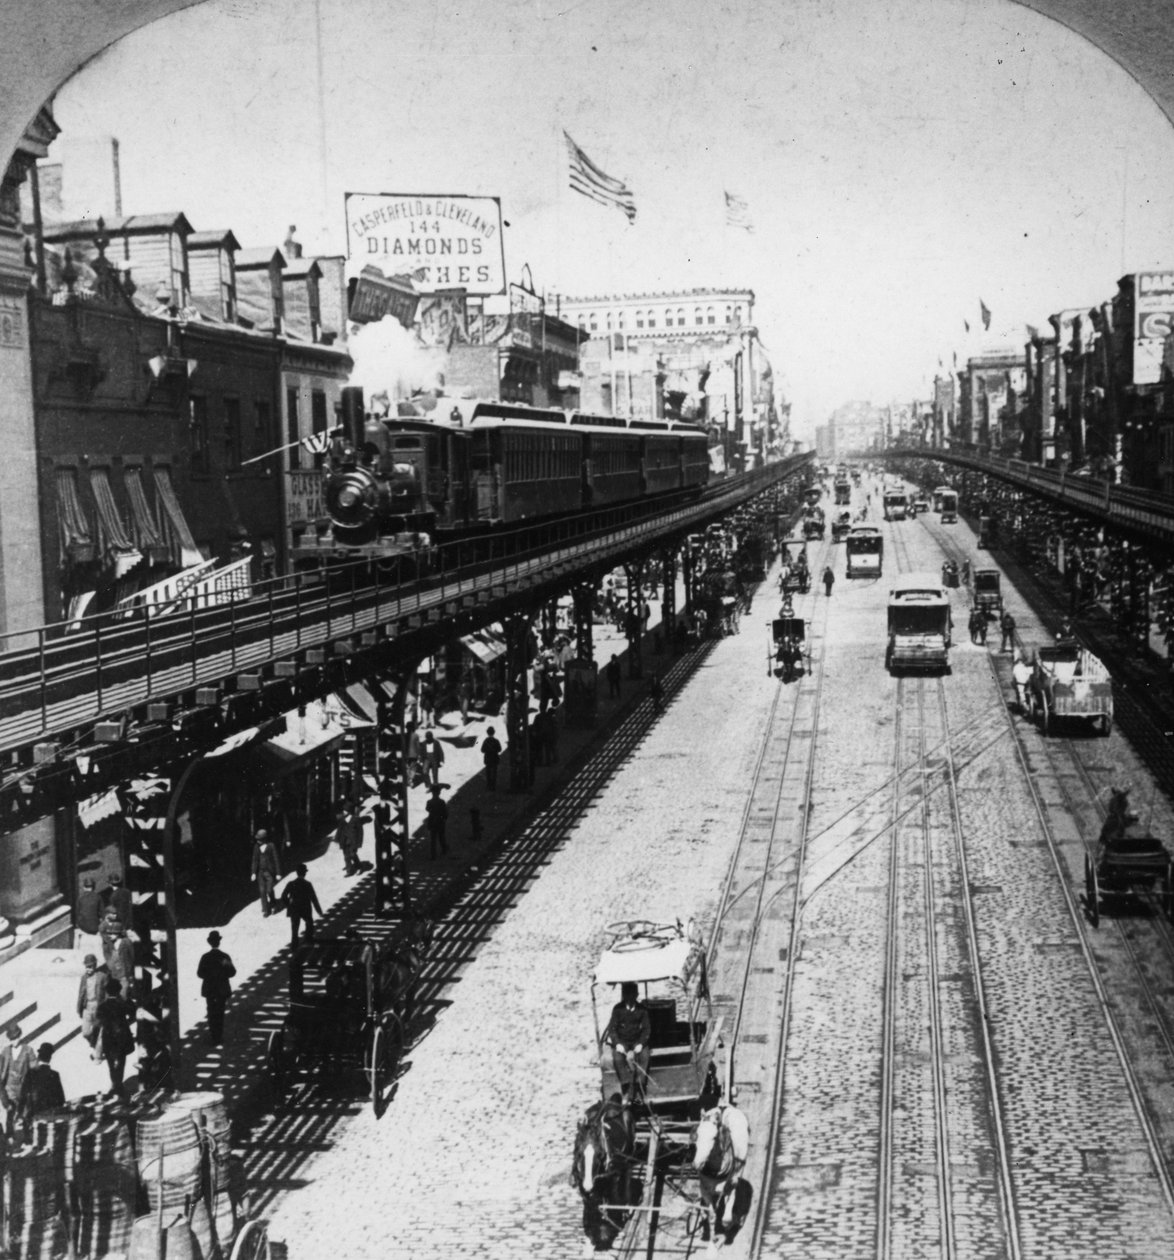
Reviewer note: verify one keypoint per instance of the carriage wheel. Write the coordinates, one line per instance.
(275, 1066)
(252, 1243)
(1092, 892)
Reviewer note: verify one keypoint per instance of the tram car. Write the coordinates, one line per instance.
(843, 492)
(945, 501)
(896, 504)
(475, 466)
(865, 551)
(919, 624)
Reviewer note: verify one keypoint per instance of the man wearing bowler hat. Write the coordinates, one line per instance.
(216, 971)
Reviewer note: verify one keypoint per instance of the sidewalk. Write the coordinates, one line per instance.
(258, 944)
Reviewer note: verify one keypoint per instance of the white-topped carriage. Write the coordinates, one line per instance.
(667, 964)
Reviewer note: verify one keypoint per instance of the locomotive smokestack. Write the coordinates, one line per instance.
(354, 415)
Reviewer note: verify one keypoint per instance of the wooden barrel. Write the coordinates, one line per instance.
(36, 1230)
(101, 1144)
(55, 1132)
(209, 1111)
(205, 1235)
(169, 1149)
(178, 1241)
(105, 1211)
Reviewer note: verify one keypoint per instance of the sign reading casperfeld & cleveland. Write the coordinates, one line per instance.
(445, 242)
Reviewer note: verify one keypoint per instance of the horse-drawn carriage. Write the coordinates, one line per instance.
(1123, 864)
(840, 526)
(794, 574)
(988, 592)
(350, 1002)
(660, 1126)
(790, 647)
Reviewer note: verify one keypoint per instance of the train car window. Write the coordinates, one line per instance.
(406, 443)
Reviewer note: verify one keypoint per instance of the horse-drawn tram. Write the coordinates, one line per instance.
(660, 1152)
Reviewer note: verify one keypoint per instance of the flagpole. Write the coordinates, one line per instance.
(254, 459)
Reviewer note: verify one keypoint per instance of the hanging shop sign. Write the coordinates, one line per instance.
(445, 242)
(371, 295)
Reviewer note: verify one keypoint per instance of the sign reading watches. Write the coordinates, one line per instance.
(445, 242)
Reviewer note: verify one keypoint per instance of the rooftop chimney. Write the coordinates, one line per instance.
(290, 248)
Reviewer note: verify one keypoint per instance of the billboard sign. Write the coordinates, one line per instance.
(446, 242)
(1153, 321)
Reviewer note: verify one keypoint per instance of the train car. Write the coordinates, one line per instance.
(947, 505)
(394, 484)
(843, 493)
(864, 551)
(919, 624)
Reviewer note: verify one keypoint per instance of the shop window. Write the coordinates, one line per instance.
(262, 427)
(709, 317)
(698, 315)
(198, 433)
(651, 319)
(292, 435)
(639, 319)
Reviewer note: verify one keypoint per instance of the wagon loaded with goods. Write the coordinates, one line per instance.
(103, 1179)
(1067, 681)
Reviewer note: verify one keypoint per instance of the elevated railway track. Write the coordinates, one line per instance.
(132, 684)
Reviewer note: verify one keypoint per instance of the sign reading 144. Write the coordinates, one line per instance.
(443, 242)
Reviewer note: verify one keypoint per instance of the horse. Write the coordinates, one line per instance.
(720, 1146)
(602, 1168)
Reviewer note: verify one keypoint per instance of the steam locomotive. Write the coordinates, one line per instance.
(396, 485)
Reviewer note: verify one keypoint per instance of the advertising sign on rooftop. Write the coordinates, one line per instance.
(1153, 320)
(445, 242)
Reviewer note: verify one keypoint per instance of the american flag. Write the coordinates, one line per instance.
(738, 212)
(318, 443)
(588, 179)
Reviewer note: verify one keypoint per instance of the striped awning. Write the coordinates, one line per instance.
(147, 534)
(115, 545)
(184, 552)
(76, 532)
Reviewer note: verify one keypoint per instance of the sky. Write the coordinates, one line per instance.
(902, 159)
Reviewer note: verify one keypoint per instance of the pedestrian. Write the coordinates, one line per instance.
(216, 970)
(1021, 673)
(266, 870)
(491, 756)
(118, 953)
(1007, 626)
(15, 1060)
(433, 759)
(612, 669)
(300, 901)
(415, 754)
(437, 812)
(90, 993)
(656, 692)
(87, 915)
(116, 1037)
(347, 833)
(118, 901)
(829, 579)
(464, 696)
(977, 625)
(42, 1090)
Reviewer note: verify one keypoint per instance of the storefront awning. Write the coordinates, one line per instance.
(115, 545)
(94, 808)
(485, 646)
(184, 552)
(77, 536)
(360, 703)
(306, 737)
(148, 537)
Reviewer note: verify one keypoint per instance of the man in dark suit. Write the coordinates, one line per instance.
(266, 870)
(42, 1089)
(15, 1061)
(118, 902)
(216, 970)
(300, 901)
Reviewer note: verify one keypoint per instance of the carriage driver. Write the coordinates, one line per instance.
(628, 1032)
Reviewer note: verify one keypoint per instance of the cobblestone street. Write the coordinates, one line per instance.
(473, 1155)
